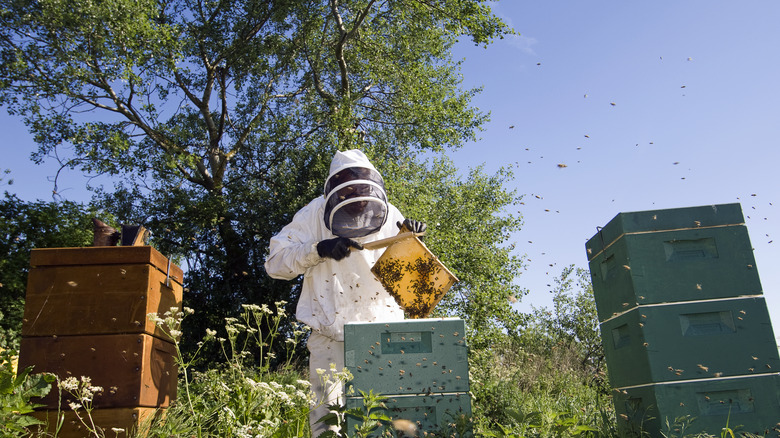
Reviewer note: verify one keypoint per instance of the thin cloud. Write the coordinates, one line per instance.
(524, 43)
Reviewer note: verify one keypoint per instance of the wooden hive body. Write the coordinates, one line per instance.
(86, 315)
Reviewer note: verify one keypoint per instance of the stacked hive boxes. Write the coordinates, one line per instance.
(420, 365)
(86, 315)
(683, 320)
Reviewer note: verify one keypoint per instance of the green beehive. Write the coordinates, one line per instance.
(428, 413)
(683, 321)
(408, 357)
(668, 256)
(690, 340)
(745, 404)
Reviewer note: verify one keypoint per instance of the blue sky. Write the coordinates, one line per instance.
(695, 87)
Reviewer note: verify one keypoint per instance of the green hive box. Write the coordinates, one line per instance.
(664, 220)
(428, 412)
(421, 356)
(668, 256)
(690, 340)
(745, 404)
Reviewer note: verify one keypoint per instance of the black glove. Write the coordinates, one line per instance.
(413, 225)
(337, 248)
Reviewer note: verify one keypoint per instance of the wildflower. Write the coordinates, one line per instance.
(210, 333)
(284, 397)
(74, 406)
(69, 384)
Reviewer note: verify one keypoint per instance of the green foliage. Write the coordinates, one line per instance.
(23, 227)
(547, 378)
(520, 387)
(573, 321)
(17, 394)
(368, 420)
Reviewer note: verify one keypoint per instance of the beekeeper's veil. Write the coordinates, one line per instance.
(356, 203)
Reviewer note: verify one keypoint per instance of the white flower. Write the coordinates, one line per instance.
(69, 384)
(74, 406)
(229, 412)
(284, 397)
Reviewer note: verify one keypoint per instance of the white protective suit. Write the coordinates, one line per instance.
(333, 292)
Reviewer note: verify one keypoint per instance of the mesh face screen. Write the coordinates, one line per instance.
(356, 204)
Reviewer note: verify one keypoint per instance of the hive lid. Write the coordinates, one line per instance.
(664, 220)
(413, 276)
(105, 255)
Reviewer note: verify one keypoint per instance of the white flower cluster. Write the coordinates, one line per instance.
(170, 321)
(277, 399)
(83, 390)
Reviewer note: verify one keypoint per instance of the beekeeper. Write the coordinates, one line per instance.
(324, 243)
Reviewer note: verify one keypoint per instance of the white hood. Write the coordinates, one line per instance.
(347, 159)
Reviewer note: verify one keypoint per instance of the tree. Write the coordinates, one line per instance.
(573, 319)
(218, 119)
(23, 227)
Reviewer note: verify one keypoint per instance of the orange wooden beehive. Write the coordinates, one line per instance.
(86, 315)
